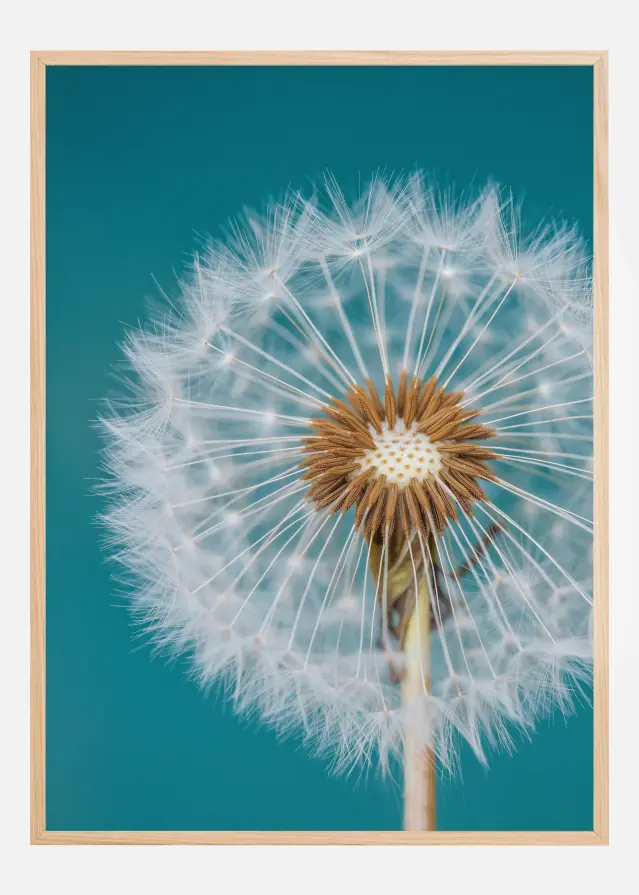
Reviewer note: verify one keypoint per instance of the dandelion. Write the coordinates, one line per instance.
(351, 473)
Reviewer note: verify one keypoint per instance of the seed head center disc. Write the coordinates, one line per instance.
(401, 454)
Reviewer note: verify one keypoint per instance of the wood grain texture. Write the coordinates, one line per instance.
(601, 516)
(37, 274)
(318, 837)
(316, 57)
(39, 834)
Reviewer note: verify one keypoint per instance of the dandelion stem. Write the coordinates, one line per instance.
(419, 760)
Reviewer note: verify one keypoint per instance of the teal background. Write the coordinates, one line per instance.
(140, 163)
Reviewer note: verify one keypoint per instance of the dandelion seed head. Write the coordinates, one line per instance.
(355, 404)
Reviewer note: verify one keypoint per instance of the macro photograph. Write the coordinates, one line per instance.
(325, 506)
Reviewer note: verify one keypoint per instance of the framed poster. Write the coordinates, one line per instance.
(325, 461)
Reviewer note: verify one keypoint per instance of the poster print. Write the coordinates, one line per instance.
(330, 451)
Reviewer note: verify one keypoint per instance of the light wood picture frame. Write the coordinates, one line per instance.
(40, 60)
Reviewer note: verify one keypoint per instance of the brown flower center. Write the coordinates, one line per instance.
(405, 463)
